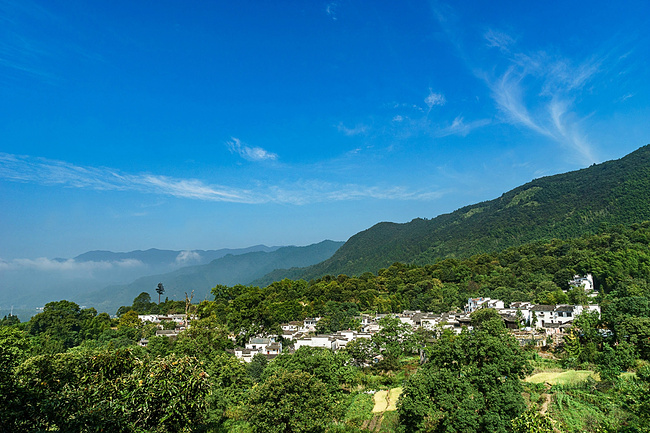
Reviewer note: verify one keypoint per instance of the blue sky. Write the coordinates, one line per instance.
(202, 125)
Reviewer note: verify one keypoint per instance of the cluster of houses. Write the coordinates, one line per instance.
(529, 323)
(180, 320)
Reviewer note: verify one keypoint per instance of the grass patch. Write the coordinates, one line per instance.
(360, 410)
(541, 364)
(568, 377)
(389, 422)
(581, 408)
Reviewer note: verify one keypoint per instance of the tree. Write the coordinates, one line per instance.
(205, 339)
(520, 319)
(113, 390)
(635, 330)
(394, 339)
(482, 316)
(14, 346)
(331, 368)
(614, 360)
(533, 319)
(361, 350)
(470, 383)
(291, 402)
(160, 289)
(572, 348)
(160, 346)
(9, 320)
(256, 366)
(129, 320)
(586, 326)
(142, 304)
(188, 304)
(578, 296)
(230, 383)
(58, 326)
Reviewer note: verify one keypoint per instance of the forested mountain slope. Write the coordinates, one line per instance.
(561, 206)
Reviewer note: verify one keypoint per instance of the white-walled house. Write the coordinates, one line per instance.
(292, 326)
(326, 341)
(587, 282)
(179, 319)
(428, 321)
(474, 304)
(257, 343)
(309, 324)
(266, 346)
(558, 314)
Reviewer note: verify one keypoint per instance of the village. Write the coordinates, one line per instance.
(531, 324)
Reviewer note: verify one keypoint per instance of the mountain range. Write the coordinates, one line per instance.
(27, 284)
(228, 270)
(561, 206)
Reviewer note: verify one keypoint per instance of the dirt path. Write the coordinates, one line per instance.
(546, 403)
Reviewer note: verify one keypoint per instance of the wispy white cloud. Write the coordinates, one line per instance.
(508, 93)
(356, 130)
(625, 97)
(433, 99)
(535, 89)
(462, 128)
(44, 264)
(498, 39)
(24, 52)
(322, 191)
(537, 92)
(330, 10)
(418, 122)
(249, 153)
(20, 168)
(59, 173)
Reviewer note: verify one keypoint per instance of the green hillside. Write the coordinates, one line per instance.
(561, 206)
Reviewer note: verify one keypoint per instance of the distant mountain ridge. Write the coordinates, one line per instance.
(560, 206)
(228, 270)
(29, 284)
(154, 256)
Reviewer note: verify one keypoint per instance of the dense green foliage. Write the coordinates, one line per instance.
(470, 383)
(109, 390)
(563, 206)
(291, 402)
